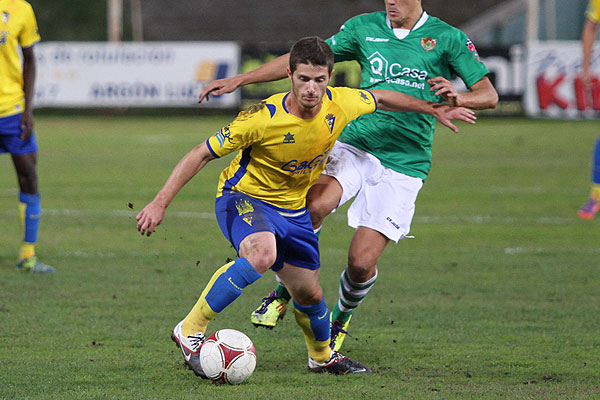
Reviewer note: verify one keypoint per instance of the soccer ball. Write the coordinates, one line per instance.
(228, 356)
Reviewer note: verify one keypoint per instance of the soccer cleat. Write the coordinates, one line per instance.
(190, 347)
(339, 331)
(270, 311)
(33, 266)
(589, 209)
(338, 364)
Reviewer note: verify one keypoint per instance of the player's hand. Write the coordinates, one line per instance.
(219, 87)
(443, 87)
(26, 125)
(445, 113)
(149, 218)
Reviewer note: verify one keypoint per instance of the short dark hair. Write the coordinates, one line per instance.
(311, 50)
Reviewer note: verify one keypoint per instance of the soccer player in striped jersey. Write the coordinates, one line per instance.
(402, 49)
(283, 144)
(590, 208)
(18, 35)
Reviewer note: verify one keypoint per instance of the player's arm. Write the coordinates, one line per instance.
(588, 36)
(152, 215)
(28, 85)
(389, 100)
(481, 94)
(273, 70)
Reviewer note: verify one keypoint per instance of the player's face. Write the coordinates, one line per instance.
(309, 83)
(403, 13)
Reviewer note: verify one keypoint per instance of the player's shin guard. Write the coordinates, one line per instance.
(30, 210)
(314, 321)
(226, 285)
(351, 295)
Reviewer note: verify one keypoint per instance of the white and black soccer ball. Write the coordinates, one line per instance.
(228, 356)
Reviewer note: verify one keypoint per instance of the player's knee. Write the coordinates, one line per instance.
(361, 268)
(318, 209)
(262, 259)
(309, 296)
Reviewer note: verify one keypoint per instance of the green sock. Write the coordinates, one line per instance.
(339, 315)
(283, 293)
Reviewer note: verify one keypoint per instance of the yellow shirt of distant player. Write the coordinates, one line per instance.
(281, 155)
(18, 27)
(593, 11)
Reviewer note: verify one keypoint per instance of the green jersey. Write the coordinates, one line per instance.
(402, 60)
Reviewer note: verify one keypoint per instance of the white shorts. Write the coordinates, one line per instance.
(385, 199)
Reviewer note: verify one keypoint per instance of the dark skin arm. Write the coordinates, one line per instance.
(28, 84)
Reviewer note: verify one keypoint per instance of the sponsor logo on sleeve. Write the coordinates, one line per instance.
(472, 49)
(223, 135)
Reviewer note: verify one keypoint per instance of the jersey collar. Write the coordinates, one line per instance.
(402, 33)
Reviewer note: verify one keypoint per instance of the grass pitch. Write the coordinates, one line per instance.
(496, 297)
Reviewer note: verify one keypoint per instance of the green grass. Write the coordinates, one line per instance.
(496, 297)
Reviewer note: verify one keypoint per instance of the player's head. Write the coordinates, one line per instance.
(311, 50)
(311, 66)
(403, 13)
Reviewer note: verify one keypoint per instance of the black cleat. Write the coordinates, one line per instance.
(338, 364)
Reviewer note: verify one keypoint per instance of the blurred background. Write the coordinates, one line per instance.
(520, 41)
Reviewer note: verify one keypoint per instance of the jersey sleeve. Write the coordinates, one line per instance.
(245, 130)
(464, 60)
(355, 102)
(343, 43)
(593, 11)
(29, 35)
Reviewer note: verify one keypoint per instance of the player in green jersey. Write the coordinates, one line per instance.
(381, 159)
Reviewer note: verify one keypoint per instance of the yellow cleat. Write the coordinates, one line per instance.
(339, 331)
(32, 265)
(270, 311)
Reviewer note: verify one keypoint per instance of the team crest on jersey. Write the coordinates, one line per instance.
(223, 135)
(428, 43)
(288, 138)
(5, 16)
(363, 96)
(472, 49)
(246, 210)
(330, 121)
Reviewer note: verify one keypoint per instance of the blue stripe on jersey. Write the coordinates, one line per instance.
(244, 161)
(211, 150)
(328, 93)
(272, 109)
(283, 103)
(374, 99)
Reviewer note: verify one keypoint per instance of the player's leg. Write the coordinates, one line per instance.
(591, 207)
(257, 249)
(382, 211)
(24, 157)
(312, 315)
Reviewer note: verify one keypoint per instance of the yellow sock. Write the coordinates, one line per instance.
(201, 314)
(27, 251)
(318, 351)
(595, 192)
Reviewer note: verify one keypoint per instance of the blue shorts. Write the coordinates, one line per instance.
(10, 142)
(240, 215)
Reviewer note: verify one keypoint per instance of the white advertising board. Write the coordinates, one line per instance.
(554, 85)
(148, 74)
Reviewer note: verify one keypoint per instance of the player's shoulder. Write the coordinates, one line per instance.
(262, 111)
(21, 4)
(360, 20)
(345, 95)
(441, 27)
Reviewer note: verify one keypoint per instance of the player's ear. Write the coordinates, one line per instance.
(289, 72)
(331, 74)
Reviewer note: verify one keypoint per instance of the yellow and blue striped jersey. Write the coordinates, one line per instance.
(18, 28)
(593, 11)
(281, 155)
